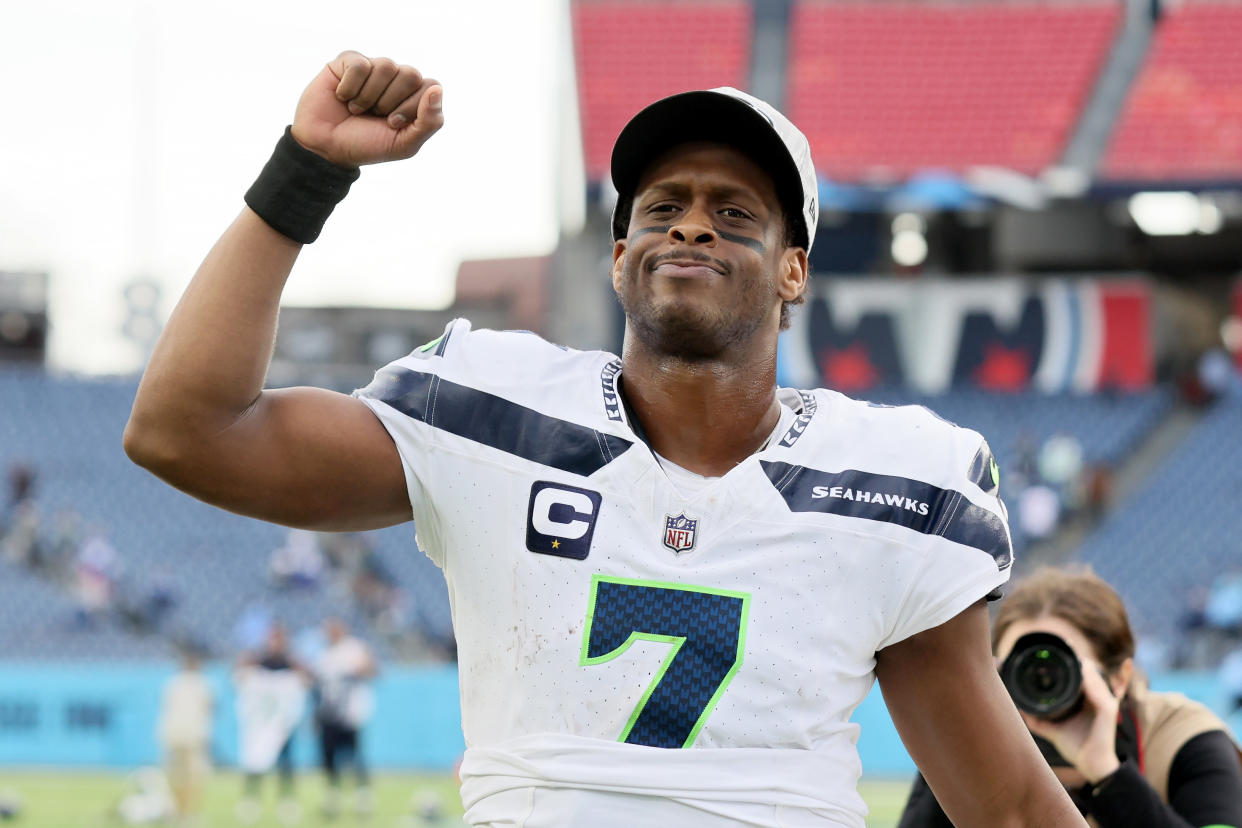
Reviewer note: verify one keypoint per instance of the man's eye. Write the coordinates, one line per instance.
(661, 208)
(735, 213)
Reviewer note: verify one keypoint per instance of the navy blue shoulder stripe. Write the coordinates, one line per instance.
(910, 503)
(494, 421)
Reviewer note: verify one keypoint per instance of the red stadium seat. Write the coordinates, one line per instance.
(884, 89)
(1183, 119)
(630, 53)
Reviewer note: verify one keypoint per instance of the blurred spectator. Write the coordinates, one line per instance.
(62, 545)
(20, 542)
(185, 732)
(1099, 491)
(1039, 510)
(98, 567)
(21, 489)
(1190, 626)
(1223, 610)
(1216, 373)
(1208, 376)
(271, 698)
(1024, 470)
(299, 562)
(343, 704)
(1060, 460)
(159, 599)
(145, 606)
(345, 551)
(373, 587)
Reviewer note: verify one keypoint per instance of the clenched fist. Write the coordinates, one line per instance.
(362, 110)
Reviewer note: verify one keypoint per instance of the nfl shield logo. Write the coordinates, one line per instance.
(679, 532)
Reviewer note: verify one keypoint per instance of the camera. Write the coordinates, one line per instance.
(1044, 677)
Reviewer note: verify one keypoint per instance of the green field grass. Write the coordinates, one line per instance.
(89, 800)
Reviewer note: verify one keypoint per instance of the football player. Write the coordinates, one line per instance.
(672, 582)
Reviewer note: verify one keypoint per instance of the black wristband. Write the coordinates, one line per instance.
(298, 189)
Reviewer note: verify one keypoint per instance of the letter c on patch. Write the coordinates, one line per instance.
(579, 506)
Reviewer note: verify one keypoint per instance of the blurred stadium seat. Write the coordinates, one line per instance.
(630, 53)
(1181, 529)
(36, 622)
(886, 89)
(1108, 426)
(214, 563)
(1183, 119)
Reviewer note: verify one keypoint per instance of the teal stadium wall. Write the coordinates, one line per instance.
(88, 714)
(92, 715)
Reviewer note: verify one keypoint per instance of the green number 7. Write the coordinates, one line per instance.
(707, 631)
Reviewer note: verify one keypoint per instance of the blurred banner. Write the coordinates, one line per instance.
(1000, 334)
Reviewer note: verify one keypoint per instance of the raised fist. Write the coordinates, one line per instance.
(362, 110)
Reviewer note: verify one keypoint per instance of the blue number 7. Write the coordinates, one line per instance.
(707, 628)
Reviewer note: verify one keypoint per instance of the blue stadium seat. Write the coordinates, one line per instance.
(1180, 530)
(69, 430)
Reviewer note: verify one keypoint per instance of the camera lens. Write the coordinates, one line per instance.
(1043, 676)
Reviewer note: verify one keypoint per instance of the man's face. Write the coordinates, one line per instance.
(705, 263)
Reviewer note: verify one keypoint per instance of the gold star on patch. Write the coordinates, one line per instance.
(556, 544)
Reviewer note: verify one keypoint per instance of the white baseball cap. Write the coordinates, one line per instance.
(728, 116)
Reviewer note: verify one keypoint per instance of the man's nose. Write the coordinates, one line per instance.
(694, 227)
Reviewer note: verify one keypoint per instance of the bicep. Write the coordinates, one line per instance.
(959, 725)
(305, 457)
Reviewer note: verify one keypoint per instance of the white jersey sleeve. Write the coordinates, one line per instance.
(969, 550)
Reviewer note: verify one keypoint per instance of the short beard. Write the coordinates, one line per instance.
(685, 333)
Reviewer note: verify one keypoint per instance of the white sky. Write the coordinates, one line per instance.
(133, 128)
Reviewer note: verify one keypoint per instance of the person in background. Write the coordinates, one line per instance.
(21, 490)
(186, 711)
(271, 700)
(343, 704)
(1130, 757)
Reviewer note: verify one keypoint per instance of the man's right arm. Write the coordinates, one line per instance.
(202, 421)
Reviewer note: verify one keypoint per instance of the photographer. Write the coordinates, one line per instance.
(1127, 755)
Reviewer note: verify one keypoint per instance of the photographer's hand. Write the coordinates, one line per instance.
(1087, 740)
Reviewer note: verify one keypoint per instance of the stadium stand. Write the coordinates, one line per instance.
(630, 53)
(37, 622)
(1106, 427)
(212, 563)
(884, 90)
(1180, 530)
(1183, 119)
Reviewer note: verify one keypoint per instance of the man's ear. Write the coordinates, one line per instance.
(794, 271)
(618, 263)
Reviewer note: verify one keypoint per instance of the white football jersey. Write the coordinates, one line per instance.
(632, 656)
